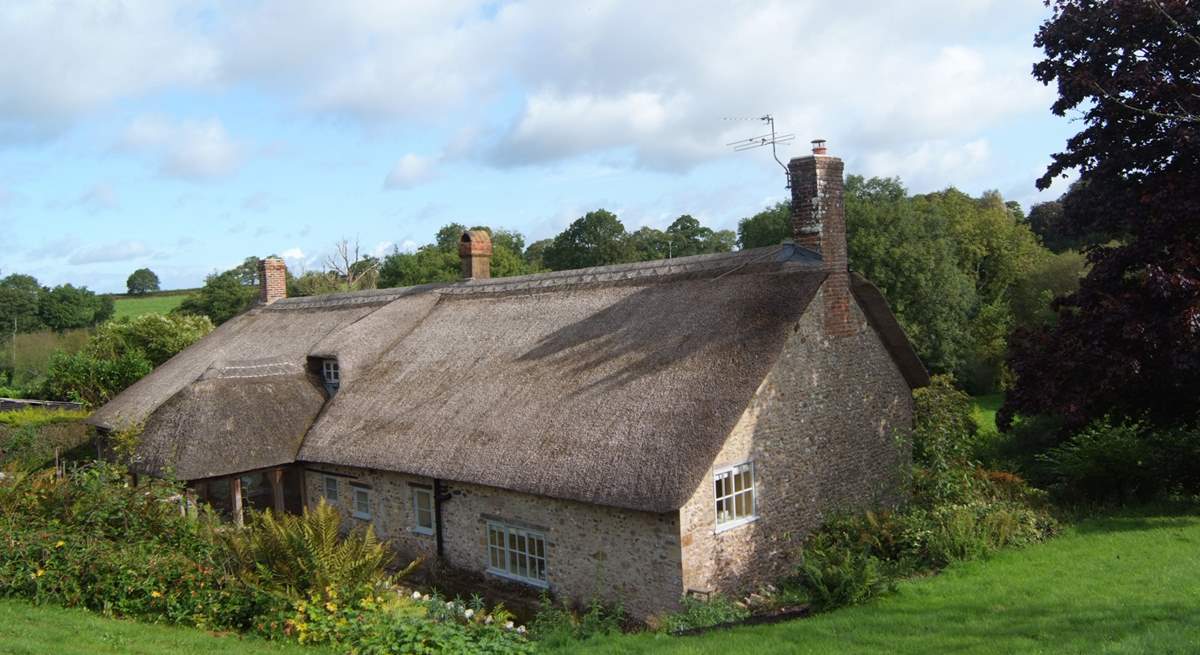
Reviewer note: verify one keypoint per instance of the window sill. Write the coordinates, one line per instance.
(428, 532)
(360, 516)
(540, 584)
(725, 527)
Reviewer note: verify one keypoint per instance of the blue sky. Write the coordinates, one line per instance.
(185, 136)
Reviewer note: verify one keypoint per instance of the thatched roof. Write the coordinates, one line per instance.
(614, 385)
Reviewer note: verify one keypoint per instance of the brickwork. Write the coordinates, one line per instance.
(621, 555)
(819, 223)
(821, 433)
(475, 253)
(272, 280)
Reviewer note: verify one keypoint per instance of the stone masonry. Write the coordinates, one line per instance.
(616, 554)
(822, 434)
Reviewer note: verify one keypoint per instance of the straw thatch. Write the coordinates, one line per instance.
(614, 385)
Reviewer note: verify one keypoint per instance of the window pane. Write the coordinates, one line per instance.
(743, 480)
(331, 489)
(493, 537)
(742, 505)
(539, 570)
(522, 566)
(720, 482)
(540, 548)
(512, 561)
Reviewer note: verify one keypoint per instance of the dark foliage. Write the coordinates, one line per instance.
(1128, 341)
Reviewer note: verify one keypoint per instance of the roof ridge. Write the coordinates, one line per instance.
(732, 262)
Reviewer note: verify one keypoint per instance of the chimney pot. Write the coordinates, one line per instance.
(818, 146)
(272, 280)
(475, 251)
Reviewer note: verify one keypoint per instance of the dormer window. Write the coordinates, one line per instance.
(330, 375)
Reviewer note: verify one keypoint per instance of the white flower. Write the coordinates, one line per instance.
(469, 613)
(487, 619)
(425, 597)
(521, 629)
(508, 626)
(416, 595)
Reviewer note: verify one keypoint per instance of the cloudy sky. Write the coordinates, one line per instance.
(185, 136)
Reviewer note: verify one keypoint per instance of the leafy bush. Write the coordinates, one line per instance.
(943, 426)
(697, 613)
(557, 624)
(386, 623)
(1119, 461)
(835, 574)
(298, 555)
(85, 378)
(89, 540)
(155, 336)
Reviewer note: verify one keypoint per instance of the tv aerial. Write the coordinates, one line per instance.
(771, 139)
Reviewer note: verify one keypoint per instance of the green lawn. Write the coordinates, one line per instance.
(983, 410)
(29, 629)
(1113, 585)
(126, 306)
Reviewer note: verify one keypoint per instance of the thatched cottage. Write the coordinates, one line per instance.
(638, 431)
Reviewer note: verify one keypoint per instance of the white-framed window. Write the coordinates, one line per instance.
(422, 507)
(330, 487)
(330, 373)
(362, 503)
(517, 553)
(734, 489)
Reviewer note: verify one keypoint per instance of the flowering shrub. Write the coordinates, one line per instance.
(385, 622)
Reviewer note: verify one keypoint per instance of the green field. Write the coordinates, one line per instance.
(1113, 585)
(983, 410)
(132, 306)
(30, 629)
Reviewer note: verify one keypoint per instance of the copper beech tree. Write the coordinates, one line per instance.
(1128, 341)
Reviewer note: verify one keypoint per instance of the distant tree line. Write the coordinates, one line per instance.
(597, 238)
(27, 306)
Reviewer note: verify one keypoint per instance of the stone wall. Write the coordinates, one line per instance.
(821, 432)
(391, 504)
(621, 555)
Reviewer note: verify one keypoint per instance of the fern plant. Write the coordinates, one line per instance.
(297, 555)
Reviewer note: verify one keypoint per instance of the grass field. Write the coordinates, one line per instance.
(1115, 585)
(983, 410)
(127, 306)
(28, 629)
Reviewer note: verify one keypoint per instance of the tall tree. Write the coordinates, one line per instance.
(768, 227)
(19, 299)
(66, 307)
(141, 281)
(597, 238)
(1128, 341)
(222, 297)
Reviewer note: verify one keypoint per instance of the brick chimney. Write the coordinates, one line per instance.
(819, 224)
(475, 251)
(272, 280)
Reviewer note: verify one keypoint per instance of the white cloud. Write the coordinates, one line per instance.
(117, 251)
(382, 249)
(412, 170)
(63, 59)
(292, 253)
(185, 149)
(929, 163)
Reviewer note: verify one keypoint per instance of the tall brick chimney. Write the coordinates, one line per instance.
(819, 224)
(272, 280)
(475, 251)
